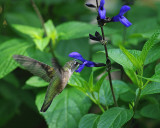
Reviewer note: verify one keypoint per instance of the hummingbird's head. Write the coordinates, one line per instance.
(72, 65)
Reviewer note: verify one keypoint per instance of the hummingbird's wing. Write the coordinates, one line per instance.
(35, 67)
(53, 90)
(56, 64)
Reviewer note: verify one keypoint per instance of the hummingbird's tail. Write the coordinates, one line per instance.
(45, 106)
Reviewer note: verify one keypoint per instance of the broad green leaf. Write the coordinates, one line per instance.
(41, 43)
(66, 109)
(23, 17)
(153, 54)
(51, 31)
(157, 69)
(151, 111)
(36, 34)
(151, 88)
(129, 96)
(78, 82)
(148, 45)
(39, 55)
(90, 82)
(99, 57)
(7, 50)
(120, 86)
(118, 56)
(99, 82)
(132, 75)
(115, 118)
(89, 121)
(105, 94)
(72, 30)
(134, 60)
(36, 81)
(28, 30)
(155, 78)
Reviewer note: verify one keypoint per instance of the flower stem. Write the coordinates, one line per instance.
(42, 23)
(108, 63)
(134, 109)
(97, 102)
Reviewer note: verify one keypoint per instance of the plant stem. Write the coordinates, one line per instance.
(137, 99)
(39, 15)
(134, 109)
(108, 63)
(97, 102)
(42, 23)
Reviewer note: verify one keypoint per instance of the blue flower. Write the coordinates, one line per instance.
(86, 63)
(121, 18)
(102, 10)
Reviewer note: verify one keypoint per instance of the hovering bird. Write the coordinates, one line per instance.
(57, 76)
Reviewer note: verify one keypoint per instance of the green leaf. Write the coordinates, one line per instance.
(51, 31)
(151, 111)
(120, 86)
(7, 50)
(90, 82)
(36, 81)
(151, 88)
(72, 30)
(105, 94)
(154, 78)
(41, 43)
(148, 45)
(99, 82)
(157, 69)
(23, 17)
(78, 82)
(134, 60)
(118, 56)
(66, 109)
(132, 75)
(35, 33)
(153, 54)
(115, 118)
(89, 121)
(28, 30)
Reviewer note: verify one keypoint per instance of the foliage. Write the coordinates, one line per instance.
(87, 101)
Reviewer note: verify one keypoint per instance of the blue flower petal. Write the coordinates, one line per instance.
(81, 66)
(102, 3)
(124, 9)
(102, 13)
(125, 21)
(102, 10)
(90, 64)
(77, 56)
(115, 18)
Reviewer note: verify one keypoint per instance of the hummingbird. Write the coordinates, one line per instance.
(57, 76)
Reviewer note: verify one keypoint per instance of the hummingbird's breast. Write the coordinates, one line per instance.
(65, 77)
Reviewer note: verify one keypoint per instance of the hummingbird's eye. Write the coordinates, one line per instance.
(75, 62)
